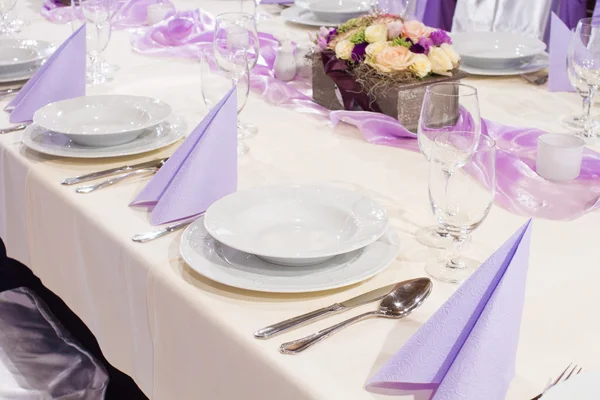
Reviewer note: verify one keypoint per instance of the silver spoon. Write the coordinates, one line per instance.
(405, 298)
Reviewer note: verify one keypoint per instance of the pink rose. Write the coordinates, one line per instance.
(392, 58)
(394, 29)
(414, 30)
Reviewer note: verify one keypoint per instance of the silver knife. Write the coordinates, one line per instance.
(300, 320)
(112, 171)
(15, 128)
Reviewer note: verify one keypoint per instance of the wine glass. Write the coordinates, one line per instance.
(235, 35)
(97, 15)
(6, 7)
(577, 121)
(459, 201)
(215, 86)
(446, 108)
(403, 8)
(583, 60)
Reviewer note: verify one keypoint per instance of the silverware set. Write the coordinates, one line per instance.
(397, 301)
(122, 173)
(155, 234)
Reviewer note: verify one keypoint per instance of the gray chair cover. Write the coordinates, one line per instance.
(38, 358)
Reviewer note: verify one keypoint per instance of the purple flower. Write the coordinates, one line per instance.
(358, 52)
(322, 40)
(422, 46)
(440, 37)
(331, 34)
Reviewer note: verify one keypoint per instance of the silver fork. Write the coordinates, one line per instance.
(566, 374)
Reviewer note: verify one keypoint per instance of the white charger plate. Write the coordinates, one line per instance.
(584, 386)
(296, 224)
(19, 56)
(228, 266)
(538, 63)
(303, 16)
(56, 144)
(102, 115)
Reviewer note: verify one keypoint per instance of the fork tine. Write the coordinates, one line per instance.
(579, 370)
(561, 376)
(571, 373)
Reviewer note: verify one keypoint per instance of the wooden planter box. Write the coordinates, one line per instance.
(399, 101)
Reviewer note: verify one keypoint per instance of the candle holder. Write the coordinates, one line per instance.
(559, 156)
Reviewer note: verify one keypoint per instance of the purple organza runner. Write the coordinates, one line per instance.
(129, 14)
(519, 188)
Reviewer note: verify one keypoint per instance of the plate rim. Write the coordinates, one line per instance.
(339, 250)
(166, 112)
(509, 71)
(180, 132)
(288, 13)
(47, 49)
(394, 248)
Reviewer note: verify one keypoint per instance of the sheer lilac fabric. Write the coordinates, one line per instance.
(519, 188)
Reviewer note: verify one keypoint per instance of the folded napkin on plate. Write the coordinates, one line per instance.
(201, 171)
(466, 350)
(560, 36)
(61, 77)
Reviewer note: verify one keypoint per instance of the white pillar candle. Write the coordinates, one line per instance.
(559, 156)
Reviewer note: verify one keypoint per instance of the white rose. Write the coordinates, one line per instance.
(343, 50)
(376, 33)
(375, 48)
(449, 50)
(421, 65)
(441, 63)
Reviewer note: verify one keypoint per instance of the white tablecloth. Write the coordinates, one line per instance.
(181, 336)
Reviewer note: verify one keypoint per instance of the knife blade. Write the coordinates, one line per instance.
(112, 171)
(284, 326)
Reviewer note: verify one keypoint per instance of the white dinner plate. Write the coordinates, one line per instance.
(584, 386)
(538, 63)
(231, 267)
(296, 224)
(102, 115)
(303, 16)
(56, 144)
(18, 56)
(496, 49)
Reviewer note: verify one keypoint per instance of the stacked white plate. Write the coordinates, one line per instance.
(499, 53)
(19, 59)
(324, 12)
(290, 238)
(103, 126)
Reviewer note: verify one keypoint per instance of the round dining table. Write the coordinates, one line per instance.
(182, 336)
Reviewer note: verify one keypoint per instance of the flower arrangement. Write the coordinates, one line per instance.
(390, 47)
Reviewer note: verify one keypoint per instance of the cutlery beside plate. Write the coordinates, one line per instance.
(112, 171)
(401, 301)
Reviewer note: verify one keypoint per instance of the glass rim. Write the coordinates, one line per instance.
(473, 89)
(490, 144)
(226, 15)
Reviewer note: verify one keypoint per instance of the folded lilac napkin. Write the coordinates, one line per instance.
(560, 35)
(61, 77)
(466, 350)
(201, 171)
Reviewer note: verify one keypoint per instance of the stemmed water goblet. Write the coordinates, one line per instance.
(97, 14)
(236, 37)
(404, 8)
(215, 86)
(6, 7)
(460, 201)
(446, 108)
(583, 61)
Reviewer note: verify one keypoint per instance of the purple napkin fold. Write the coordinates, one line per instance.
(467, 349)
(61, 77)
(560, 35)
(201, 171)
